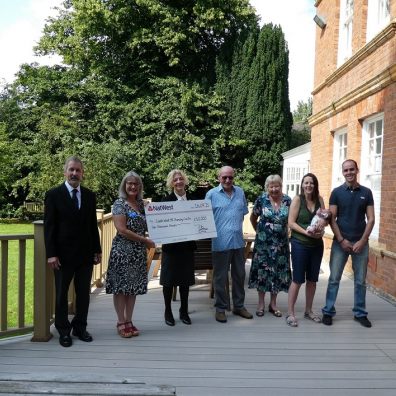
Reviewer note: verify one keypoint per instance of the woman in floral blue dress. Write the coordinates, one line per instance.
(270, 269)
(127, 271)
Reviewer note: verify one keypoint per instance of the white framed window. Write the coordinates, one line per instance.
(378, 16)
(293, 179)
(371, 162)
(345, 31)
(340, 146)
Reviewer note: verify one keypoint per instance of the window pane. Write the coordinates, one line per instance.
(371, 130)
(378, 146)
(349, 8)
(377, 168)
(379, 127)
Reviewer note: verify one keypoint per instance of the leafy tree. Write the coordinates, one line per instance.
(8, 177)
(301, 132)
(135, 92)
(135, 40)
(303, 111)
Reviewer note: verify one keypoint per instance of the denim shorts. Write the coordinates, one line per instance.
(306, 261)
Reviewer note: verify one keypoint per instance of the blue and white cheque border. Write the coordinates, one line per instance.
(179, 221)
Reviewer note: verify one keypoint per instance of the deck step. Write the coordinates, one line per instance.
(15, 387)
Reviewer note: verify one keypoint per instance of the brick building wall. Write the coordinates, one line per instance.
(343, 97)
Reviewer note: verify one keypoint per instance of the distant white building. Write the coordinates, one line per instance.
(295, 165)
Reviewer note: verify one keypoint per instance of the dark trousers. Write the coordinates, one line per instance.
(222, 260)
(82, 286)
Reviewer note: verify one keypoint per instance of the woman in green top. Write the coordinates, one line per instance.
(306, 249)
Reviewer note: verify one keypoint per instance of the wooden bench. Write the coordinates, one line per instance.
(203, 261)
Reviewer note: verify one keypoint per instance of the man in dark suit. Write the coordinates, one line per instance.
(72, 247)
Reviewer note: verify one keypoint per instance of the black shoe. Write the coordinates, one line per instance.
(327, 320)
(363, 321)
(82, 335)
(65, 341)
(169, 319)
(185, 318)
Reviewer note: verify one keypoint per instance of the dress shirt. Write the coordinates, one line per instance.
(228, 212)
(70, 189)
(181, 197)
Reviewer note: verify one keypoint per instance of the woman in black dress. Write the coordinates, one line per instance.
(177, 265)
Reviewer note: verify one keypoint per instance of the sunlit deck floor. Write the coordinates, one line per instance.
(243, 357)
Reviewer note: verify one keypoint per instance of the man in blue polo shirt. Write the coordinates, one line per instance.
(229, 208)
(352, 208)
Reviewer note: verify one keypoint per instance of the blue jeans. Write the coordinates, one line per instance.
(338, 259)
(306, 261)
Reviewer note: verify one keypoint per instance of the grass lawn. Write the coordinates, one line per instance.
(13, 272)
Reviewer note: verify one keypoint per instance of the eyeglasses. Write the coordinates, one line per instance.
(231, 178)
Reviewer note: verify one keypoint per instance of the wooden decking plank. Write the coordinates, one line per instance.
(242, 357)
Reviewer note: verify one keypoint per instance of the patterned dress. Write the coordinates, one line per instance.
(270, 269)
(127, 270)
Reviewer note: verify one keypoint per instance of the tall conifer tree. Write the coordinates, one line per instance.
(258, 121)
(268, 115)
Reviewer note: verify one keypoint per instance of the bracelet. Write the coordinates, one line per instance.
(342, 240)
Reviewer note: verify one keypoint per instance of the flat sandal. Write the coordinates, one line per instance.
(291, 321)
(275, 312)
(313, 316)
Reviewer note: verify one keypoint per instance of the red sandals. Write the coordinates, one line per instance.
(132, 329)
(123, 330)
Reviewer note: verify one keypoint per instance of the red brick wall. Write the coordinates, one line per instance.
(326, 41)
(382, 270)
(388, 187)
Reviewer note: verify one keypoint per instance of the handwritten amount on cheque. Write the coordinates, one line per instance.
(163, 223)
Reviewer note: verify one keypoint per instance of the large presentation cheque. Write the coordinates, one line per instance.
(179, 221)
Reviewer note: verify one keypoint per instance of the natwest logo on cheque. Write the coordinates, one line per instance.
(158, 208)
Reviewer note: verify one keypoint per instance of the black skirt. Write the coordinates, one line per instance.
(177, 268)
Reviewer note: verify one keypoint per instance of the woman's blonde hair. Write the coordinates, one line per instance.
(171, 175)
(272, 179)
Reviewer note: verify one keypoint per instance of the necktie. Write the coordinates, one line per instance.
(74, 198)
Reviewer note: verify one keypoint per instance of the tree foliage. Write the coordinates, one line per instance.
(135, 91)
(135, 40)
(301, 132)
(148, 85)
(255, 86)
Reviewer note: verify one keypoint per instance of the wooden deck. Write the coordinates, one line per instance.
(243, 357)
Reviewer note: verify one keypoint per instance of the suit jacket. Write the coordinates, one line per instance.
(71, 234)
(178, 246)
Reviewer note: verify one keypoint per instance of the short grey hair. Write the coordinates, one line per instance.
(72, 158)
(272, 179)
(171, 175)
(223, 168)
(121, 190)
